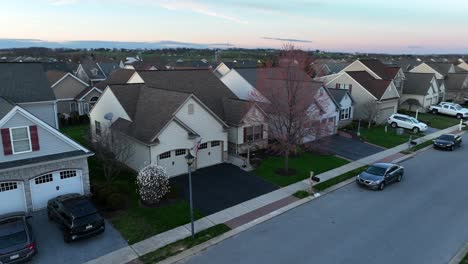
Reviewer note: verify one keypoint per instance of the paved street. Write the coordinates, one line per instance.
(421, 220)
(350, 148)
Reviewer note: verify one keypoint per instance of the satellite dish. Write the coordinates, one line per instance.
(109, 116)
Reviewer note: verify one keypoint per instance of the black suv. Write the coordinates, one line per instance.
(17, 243)
(76, 215)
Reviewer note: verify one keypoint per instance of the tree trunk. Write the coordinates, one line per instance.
(286, 162)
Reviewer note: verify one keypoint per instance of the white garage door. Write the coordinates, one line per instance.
(12, 198)
(174, 162)
(384, 114)
(51, 185)
(209, 154)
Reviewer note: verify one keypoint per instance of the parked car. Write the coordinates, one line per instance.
(378, 175)
(408, 122)
(17, 242)
(447, 141)
(451, 109)
(76, 216)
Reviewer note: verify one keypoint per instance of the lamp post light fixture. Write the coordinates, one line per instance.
(189, 158)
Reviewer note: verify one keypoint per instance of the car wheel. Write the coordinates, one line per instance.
(434, 111)
(415, 130)
(459, 116)
(394, 125)
(382, 186)
(399, 178)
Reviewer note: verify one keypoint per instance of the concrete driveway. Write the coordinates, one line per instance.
(349, 148)
(423, 219)
(52, 248)
(219, 187)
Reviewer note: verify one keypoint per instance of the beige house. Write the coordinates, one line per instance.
(420, 91)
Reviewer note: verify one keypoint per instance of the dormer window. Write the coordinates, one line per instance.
(94, 71)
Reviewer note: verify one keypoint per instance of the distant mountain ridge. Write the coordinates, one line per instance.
(95, 44)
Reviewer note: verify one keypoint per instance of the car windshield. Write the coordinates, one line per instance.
(13, 239)
(374, 170)
(414, 120)
(458, 107)
(86, 220)
(446, 137)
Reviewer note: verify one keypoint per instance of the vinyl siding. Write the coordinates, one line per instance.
(68, 88)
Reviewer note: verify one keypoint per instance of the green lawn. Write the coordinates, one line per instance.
(134, 222)
(464, 260)
(343, 177)
(184, 244)
(376, 135)
(438, 121)
(303, 165)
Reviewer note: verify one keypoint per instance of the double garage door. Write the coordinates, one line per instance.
(209, 153)
(43, 188)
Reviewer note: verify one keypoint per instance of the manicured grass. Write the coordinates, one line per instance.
(302, 165)
(421, 146)
(343, 177)
(301, 194)
(376, 135)
(464, 260)
(184, 244)
(438, 121)
(77, 133)
(134, 222)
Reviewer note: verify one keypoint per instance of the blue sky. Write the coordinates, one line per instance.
(397, 26)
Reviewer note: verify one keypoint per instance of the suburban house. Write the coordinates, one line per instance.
(37, 162)
(440, 69)
(74, 97)
(456, 87)
(120, 76)
(160, 126)
(463, 66)
(26, 85)
(108, 67)
(89, 72)
(345, 105)
(420, 91)
(236, 83)
(328, 67)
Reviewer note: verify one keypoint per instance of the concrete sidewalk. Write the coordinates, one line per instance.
(257, 207)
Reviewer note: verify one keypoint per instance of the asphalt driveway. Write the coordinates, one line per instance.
(423, 219)
(349, 148)
(222, 186)
(52, 248)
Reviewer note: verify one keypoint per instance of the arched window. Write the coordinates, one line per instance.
(93, 101)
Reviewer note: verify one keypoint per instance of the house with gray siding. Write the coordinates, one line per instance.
(26, 84)
(37, 162)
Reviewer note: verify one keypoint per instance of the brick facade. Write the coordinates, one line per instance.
(26, 174)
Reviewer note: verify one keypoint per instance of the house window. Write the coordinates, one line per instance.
(180, 152)
(191, 109)
(253, 133)
(73, 107)
(165, 155)
(44, 179)
(86, 108)
(67, 174)
(203, 146)
(215, 143)
(97, 124)
(20, 139)
(343, 86)
(345, 113)
(8, 186)
(93, 101)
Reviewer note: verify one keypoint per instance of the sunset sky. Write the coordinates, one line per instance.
(396, 26)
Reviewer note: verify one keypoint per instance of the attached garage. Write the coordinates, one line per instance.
(174, 162)
(12, 197)
(384, 114)
(50, 185)
(209, 154)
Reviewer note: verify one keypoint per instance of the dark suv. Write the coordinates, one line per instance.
(76, 216)
(17, 243)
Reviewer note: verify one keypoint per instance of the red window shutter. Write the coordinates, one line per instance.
(34, 138)
(337, 86)
(350, 88)
(6, 140)
(245, 135)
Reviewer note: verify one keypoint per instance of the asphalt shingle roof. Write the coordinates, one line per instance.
(235, 110)
(456, 81)
(337, 94)
(441, 67)
(24, 82)
(376, 87)
(54, 76)
(88, 65)
(417, 83)
(383, 71)
(120, 76)
(5, 107)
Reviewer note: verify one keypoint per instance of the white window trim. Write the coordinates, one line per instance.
(77, 108)
(346, 111)
(11, 140)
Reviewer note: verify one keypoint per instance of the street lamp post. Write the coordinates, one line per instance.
(189, 158)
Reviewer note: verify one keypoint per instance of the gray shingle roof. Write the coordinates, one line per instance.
(139, 102)
(456, 81)
(417, 83)
(374, 86)
(24, 82)
(88, 66)
(255, 76)
(108, 67)
(5, 107)
(441, 67)
(120, 76)
(235, 110)
(383, 71)
(337, 94)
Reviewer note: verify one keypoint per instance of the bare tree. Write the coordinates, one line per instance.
(371, 112)
(293, 102)
(112, 149)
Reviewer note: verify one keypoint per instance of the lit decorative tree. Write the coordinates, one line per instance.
(153, 184)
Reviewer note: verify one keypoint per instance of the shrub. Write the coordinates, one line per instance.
(301, 194)
(153, 184)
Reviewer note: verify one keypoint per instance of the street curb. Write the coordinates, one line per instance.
(460, 255)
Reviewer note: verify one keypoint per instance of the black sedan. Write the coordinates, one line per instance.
(447, 141)
(17, 243)
(379, 175)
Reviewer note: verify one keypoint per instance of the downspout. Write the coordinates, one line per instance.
(56, 115)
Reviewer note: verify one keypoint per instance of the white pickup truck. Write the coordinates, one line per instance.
(451, 109)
